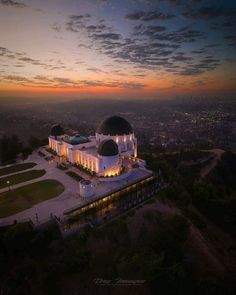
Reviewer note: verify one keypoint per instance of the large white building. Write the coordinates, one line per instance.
(103, 154)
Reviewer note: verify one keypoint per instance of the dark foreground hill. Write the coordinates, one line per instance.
(180, 242)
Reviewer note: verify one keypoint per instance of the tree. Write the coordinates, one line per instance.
(34, 142)
(10, 147)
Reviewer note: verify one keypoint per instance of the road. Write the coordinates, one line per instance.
(206, 170)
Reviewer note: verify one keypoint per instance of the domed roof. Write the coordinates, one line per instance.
(85, 181)
(108, 148)
(114, 125)
(57, 130)
(78, 139)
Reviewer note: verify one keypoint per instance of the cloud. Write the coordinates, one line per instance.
(93, 69)
(156, 28)
(7, 53)
(148, 16)
(147, 46)
(230, 37)
(107, 36)
(151, 47)
(19, 66)
(212, 45)
(114, 84)
(205, 64)
(24, 60)
(229, 24)
(181, 57)
(96, 28)
(3, 51)
(12, 3)
(56, 28)
(199, 83)
(148, 30)
(175, 2)
(31, 60)
(232, 45)
(180, 36)
(62, 82)
(79, 17)
(208, 13)
(16, 78)
(76, 21)
(198, 51)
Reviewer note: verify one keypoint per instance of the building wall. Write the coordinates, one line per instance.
(109, 165)
(52, 143)
(126, 143)
(87, 160)
(86, 189)
(104, 166)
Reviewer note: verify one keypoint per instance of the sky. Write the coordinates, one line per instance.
(117, 48)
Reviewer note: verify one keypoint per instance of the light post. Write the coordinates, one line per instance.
(8, 183)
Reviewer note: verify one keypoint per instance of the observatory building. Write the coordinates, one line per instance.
(105, 153)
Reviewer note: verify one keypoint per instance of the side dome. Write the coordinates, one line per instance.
(57, 130)
(78, 139)
(114, 125)
(108, 148)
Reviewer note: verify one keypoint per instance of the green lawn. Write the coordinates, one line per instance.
(16, 168)
(21, 177)
(25, 197)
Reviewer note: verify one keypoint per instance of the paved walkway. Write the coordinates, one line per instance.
(21, 171)
(206, 170)
(68, 199)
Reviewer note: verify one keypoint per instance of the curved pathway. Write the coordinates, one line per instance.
(206, 170)
(41, 212)
(70, 198)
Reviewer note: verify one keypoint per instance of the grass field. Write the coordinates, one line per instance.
(21, 177)
(16, 168)
(25, 197)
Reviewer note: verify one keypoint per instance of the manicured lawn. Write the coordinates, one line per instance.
(16, 168)
(25, 197)
(21, 177)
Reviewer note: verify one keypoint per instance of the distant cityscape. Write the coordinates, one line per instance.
(169, 125)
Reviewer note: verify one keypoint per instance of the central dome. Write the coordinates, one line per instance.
(115, 125)
(108, 148)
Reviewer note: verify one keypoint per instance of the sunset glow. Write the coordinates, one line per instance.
(117, 48)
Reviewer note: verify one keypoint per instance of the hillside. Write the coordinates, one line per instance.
(177, 243)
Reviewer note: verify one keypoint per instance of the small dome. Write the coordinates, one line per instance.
(78, 139)
(115, 125)
(57, 130)
(85, 182)
(108, 148)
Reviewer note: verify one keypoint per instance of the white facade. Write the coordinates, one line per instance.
(109, 165)
(77, 154)
(86, 152)
(127, 144)
(86, 188)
